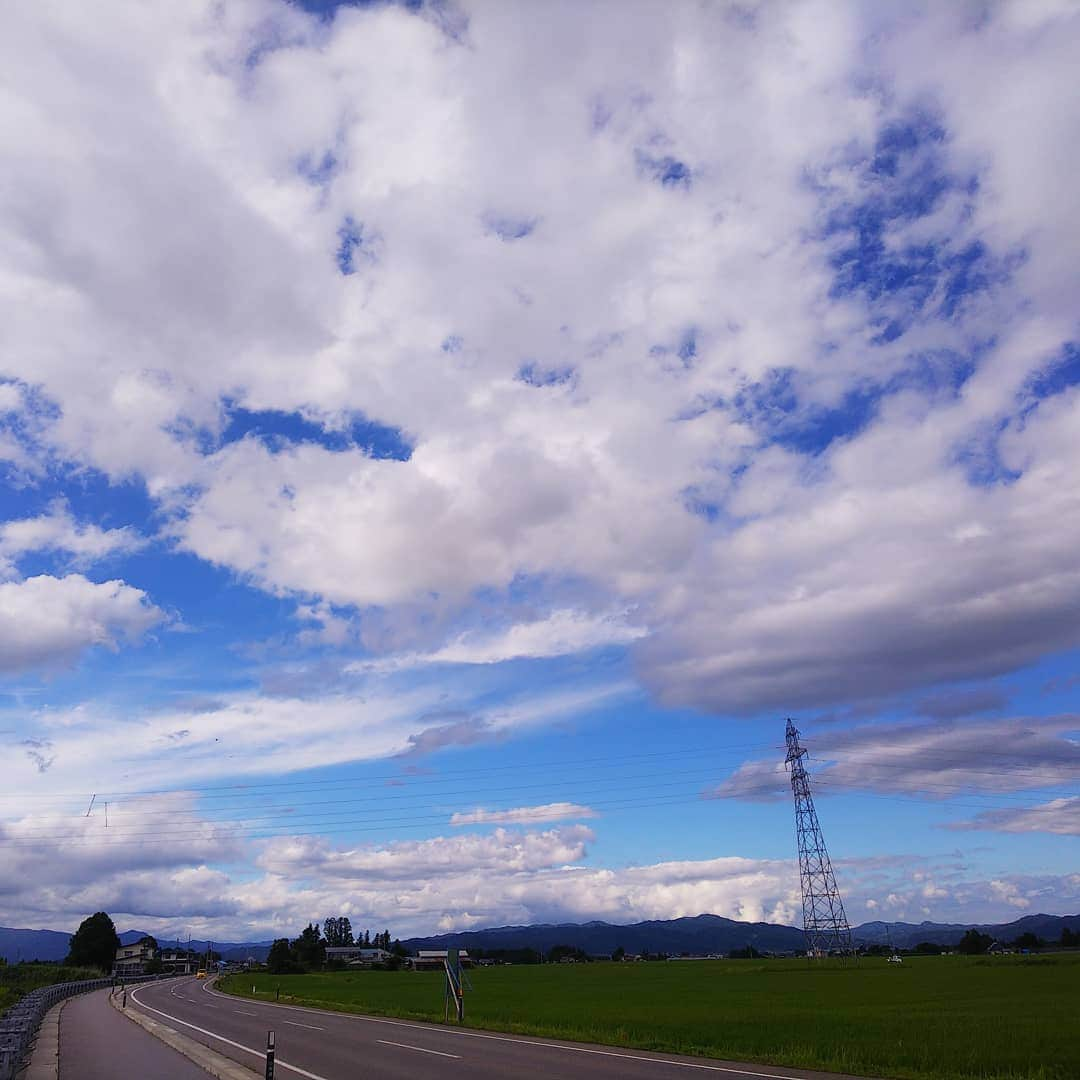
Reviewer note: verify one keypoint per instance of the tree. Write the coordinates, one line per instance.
(1070, 938)
(1028, 941)
(94, 944)
(280, 960)
(310, 948)
(973, 942)
(338, 932)
(927, 948)
(619, 953)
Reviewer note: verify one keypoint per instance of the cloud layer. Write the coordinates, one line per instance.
(746, 320)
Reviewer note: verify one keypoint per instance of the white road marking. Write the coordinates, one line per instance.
(523, 1042)
(422, 1049)
(241, 1012)
(261, 1054)
(293, 1023)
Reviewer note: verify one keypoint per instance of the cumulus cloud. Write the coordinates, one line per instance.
(666, 416)
(49, 622)
(522, 815)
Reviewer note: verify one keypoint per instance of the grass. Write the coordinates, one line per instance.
(19, 979)
(947, 1018)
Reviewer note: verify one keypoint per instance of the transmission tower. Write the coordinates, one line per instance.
(824, 921)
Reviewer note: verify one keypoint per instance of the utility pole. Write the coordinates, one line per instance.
(824, 921)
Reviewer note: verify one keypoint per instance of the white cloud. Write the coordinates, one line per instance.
(48, 622)
(560, 633)
(59, 531)
(522, 815)
(938, 760)
(1059, 816)
(813, 575)
(248, 734)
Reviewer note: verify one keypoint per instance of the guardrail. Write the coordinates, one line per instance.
(19, 1024)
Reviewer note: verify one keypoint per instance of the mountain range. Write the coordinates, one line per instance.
(701, 934)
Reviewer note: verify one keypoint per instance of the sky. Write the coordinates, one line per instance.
(442, 442)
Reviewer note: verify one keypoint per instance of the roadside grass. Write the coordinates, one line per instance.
(946, 1018)
(16, 980)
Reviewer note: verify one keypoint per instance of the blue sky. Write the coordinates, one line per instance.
(441, 443)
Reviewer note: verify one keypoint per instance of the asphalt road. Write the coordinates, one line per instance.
(335, 1046)
(98, 1043)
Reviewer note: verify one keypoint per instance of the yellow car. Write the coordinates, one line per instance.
(200, 974)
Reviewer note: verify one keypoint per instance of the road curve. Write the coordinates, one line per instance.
(99, 1043)
(321, 1045)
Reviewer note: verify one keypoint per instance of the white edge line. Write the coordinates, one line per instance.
(510, 1039)
(310, 1027)
(422, 1049)
(221, 1038)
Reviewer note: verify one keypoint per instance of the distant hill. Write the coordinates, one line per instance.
(906, 935)
(16, 945)
(697, 934)
(700, 934)
(711, 933)
(52, 945)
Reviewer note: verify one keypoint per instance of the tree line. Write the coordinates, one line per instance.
(308, 951)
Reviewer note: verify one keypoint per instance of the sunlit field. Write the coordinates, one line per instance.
(947, 1017)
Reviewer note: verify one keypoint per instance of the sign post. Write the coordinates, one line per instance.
(269, 1075)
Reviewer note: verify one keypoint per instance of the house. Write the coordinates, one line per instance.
(428, 959)
(134, 959)
(358, 955)
(177, 962)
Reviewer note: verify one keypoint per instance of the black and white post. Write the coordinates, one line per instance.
(269, 1075)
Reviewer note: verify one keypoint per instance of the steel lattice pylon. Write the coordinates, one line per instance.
(824, 921)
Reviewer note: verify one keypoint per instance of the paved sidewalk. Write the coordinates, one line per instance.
(99, 1043)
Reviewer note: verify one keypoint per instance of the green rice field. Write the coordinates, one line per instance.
(948, 1017)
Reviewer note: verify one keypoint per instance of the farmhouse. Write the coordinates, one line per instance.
(358, 955)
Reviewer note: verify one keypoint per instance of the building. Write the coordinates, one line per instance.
(178, 962)
(134, 959)
(428, 959)
(358, 955)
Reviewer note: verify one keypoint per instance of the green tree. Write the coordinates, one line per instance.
(619, 953)
(1028, 941)
(310, 948)
(280, 960)
(94, 944)
(973, 942)
(1069, 938)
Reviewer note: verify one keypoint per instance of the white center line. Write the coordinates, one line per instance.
(422, 1049)
(293, 1023)
(241, 1012)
